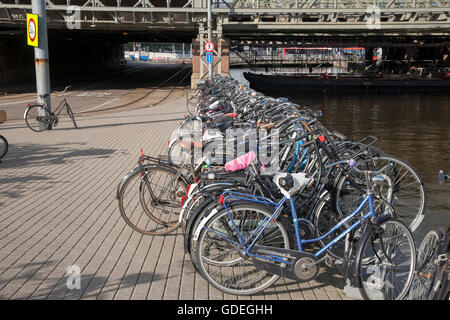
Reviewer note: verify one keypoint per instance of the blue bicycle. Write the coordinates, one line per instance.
(245, 245)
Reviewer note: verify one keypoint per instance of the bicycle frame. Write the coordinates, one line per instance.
(60, 107)
(178, 175)
(368, 200)
(52, 114)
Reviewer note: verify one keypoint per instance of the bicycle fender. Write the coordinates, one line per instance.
(194, 187)
(366, 234)
(188, 231)
(183, 209)
(127, 175)
(186, 203)
(203, 223)
(26, 110)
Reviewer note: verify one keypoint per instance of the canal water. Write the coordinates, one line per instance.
(412, 126)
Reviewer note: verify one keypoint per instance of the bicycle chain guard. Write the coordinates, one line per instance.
(303, 266)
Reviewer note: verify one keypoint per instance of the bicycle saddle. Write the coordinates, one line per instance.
(290, 183)
(286, 182)
(222, 123)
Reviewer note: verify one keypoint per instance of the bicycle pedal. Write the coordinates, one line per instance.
(441, 258)
(329, 261)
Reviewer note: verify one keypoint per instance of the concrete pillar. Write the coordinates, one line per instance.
(195, 62)
(223, 67)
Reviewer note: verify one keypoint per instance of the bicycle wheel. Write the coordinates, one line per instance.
(441, 288)
(441, 279)
(37, 118)
(3, 146)
(190, 128)
(191, 101)
(407, 194)
(426, 268)
(325, 218)
(72, 116)
(149, 215)
(202, 211)
(178, 155)
(385, 261)
(223, 263)
(167, 188)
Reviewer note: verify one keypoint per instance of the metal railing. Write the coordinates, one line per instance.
(331, 4)
(284, 14)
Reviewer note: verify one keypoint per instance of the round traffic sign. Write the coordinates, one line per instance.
(209, 46)
(32, 29)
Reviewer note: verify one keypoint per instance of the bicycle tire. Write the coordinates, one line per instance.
(409, 193)
(176, 188)
(204, 209)
(232, 280)
(372, 253)
(426, 268)
(190, 96)
(135, 210)
(176, 154)
(33, 122)
(441, 283)
(201, 207)
(3, 146)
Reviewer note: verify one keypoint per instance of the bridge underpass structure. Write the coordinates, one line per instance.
(97, 25)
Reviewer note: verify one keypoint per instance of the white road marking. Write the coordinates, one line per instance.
(95, 94)
(17, 102)
(99, 106)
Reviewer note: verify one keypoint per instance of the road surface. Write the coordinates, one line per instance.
(133, 86)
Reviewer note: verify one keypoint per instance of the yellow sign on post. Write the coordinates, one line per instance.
(32, 30)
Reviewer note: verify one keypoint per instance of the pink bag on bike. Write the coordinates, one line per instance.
(241, 162)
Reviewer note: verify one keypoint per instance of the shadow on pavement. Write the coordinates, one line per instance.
(92, 286)
(324, 279)
(80, 126)
(43, 155)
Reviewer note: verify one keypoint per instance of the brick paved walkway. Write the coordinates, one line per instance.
(58, 208)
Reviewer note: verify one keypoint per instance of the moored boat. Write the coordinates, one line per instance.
(346, 82)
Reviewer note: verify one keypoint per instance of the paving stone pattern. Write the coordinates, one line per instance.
(58, 209)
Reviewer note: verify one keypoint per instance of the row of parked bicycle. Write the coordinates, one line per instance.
(262, 189)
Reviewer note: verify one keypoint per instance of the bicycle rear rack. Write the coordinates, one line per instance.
(164, 159)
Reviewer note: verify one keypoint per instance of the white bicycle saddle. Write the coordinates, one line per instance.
(290, 183)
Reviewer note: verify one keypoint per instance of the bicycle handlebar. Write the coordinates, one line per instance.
(63, 91)
(442, 176)
(352, 164)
